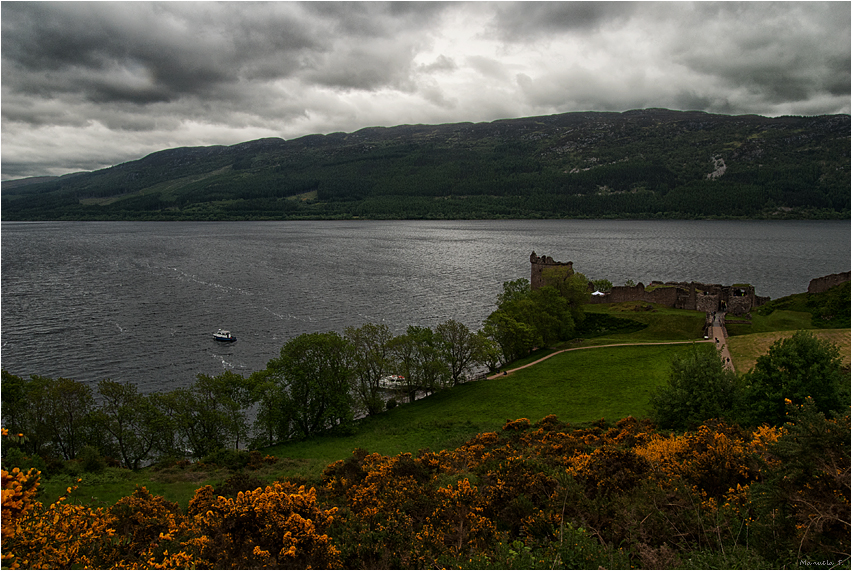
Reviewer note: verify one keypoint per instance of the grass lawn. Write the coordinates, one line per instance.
(659, 323)
(577, 386)
(778, 320)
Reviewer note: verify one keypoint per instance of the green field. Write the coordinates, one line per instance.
(577, 386)
(778, 320)
(659, 323)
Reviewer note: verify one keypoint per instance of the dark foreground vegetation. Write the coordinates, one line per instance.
(543, 495)
(650, 163)
(730, 471)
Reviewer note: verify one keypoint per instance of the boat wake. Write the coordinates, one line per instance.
(226, 365)
(307, 319)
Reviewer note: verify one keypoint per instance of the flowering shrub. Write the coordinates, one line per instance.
(279, 527)
(58, 536)
(535, 495)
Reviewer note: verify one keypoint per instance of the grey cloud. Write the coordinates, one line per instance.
(93, 83)
(489, 67)
(786, 51)
(94, 47)
(441, 63)
(526, 21)
(143, 53)
(377, 19)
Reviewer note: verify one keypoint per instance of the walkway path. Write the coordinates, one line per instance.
(717, 334)
(720, 337)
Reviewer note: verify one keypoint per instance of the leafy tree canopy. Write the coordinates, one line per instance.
(794, 369)
(699, 388)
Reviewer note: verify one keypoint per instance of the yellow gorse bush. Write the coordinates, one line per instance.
(532, 495)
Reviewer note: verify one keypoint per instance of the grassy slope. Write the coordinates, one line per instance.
(578, 386)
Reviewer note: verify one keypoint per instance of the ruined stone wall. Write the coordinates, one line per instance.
(825, 283)
(538, 264)
(664, 296)
(736, 299)
(688, 295)
(739, 305)
(706, 303)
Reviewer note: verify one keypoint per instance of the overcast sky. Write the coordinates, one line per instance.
(89, 85)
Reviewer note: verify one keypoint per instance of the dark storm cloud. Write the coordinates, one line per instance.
(88, 84)
(527, 21)
(143, 53)
(784, 51)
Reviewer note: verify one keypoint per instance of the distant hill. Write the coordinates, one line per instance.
(651, 163)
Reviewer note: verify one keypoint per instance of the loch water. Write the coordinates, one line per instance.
(139, 301)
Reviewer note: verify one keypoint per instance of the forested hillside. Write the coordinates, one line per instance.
(639, 164)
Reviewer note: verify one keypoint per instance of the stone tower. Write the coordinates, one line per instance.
(539, 263)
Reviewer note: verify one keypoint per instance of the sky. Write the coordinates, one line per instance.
(89, 85)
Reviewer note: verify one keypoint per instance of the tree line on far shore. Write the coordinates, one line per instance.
(319, 383)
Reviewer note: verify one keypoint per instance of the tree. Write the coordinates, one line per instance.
(54, 414)
(228, 395)
(130, 419)
(515, 338)
(57, 415)
(14, 402)
(209, 415)
(461, 348)
(370, 362)
(805, 494)
(550, 313)
(273, 421)
(571, 285)
(526, 318)
(24, 410)
(795, 368)
(699, 388)
(418, 359)
(513, 291)
(491, 352)
(315, 371)
(196, 425)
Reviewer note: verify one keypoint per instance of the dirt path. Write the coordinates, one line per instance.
(720, 337)
(717, 334)
(510, 371)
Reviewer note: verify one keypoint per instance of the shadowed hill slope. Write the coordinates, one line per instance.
(644, 163)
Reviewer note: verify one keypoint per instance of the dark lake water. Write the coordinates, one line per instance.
(139, 301)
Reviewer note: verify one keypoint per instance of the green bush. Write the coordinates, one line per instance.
(795, 368)
(699, 388)
(228, 458)
(16, 458)
(91, 460)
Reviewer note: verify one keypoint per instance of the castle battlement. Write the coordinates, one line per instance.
(735, 299)
(539, 263)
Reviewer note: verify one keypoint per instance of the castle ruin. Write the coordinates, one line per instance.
(735, 299)
(538, 265)
(825, 283)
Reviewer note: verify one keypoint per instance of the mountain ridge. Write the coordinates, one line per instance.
(640, 163)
